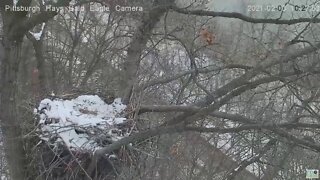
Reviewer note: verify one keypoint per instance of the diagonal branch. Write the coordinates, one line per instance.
(244, 164)
(42, 17)
(200, 70)
(240, 16)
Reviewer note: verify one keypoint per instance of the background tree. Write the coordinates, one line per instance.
(242, 107)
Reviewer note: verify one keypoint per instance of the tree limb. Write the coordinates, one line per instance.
(240, 16)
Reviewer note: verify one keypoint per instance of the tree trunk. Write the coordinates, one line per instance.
(14, 27)
(137, 45)
(41, 81)
(9, 113)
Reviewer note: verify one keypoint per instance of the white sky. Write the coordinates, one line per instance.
(241, 6)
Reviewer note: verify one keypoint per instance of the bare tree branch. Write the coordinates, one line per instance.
(200, 70)
(138, 43)
(240, 16)
(251, 160)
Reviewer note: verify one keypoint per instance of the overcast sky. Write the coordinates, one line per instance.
(241, 6)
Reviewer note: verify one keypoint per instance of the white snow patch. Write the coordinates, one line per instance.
(85, 39)
(38, 35)
(112, 156)
(200, 162)
(64, 119)
(15, 2)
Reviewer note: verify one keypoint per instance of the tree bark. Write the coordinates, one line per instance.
(41, 67)
(9, 113)
(15, 26)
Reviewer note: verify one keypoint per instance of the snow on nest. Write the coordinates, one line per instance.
(78, 122)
